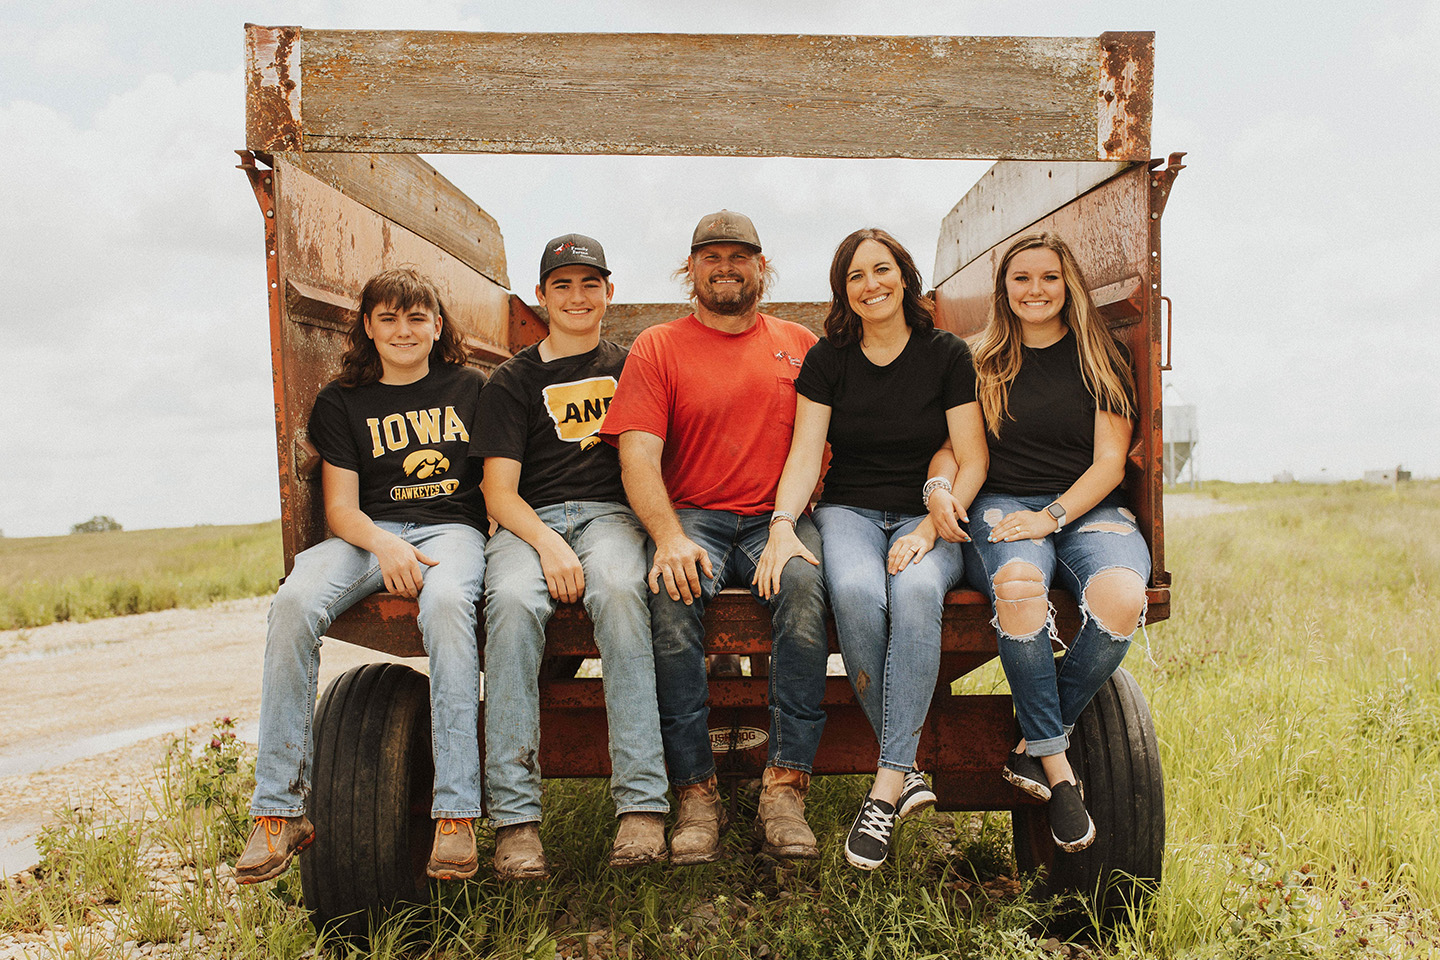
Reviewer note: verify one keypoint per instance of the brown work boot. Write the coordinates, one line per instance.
(696, 837)
(640, 840)
(781, 823)
(453, 856)
(273, 842)
(518, 854)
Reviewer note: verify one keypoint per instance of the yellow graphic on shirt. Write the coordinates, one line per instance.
(578, 408)
(397, 431)
(423, 465)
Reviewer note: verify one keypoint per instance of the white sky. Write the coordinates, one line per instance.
(1301, 244)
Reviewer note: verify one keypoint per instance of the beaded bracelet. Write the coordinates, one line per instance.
(931, 485)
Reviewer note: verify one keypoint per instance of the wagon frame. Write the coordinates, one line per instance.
(334, 120)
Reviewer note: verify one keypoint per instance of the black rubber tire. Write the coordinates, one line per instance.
(370, 798)
(1116, 756)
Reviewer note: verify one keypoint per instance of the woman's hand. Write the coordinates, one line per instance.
(1024, 525)
(402, 565)
(911, 547)
(782, 545)
(947, 515)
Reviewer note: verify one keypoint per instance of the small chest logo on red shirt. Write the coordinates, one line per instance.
(784, 357)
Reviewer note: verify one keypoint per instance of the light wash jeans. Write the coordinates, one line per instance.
(327, 580)
(610, 543)
(799, 646)
(1049, 701)
(889, 626)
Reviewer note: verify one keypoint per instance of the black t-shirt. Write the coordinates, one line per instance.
(1048, 440)
(548, 417)
(886, 422)
(409, 443)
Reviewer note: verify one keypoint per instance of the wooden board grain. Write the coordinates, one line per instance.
(1074, 98)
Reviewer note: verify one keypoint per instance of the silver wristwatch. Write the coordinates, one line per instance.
(1057, 510)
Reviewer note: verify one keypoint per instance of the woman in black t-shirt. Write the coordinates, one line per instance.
(1057, 394)
(886, 389)
(403, 503)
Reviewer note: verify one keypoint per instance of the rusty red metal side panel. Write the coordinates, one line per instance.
(1114, 231)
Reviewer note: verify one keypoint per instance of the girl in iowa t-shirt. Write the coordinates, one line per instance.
(403, 501)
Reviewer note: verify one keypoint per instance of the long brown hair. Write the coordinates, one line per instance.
(842, 324)
(401, 288)
(1107, 375)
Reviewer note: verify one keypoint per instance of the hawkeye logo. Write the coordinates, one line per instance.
(578, 408)
(423, 465)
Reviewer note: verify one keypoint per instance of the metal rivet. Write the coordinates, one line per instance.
(267, 181)
(1154, 216)
(272, 253)
(271, 213)
(1154, 183)
(273, 284)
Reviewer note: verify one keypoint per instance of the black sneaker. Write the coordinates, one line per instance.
(869, 842)
(917, 795)
(1070, 823)
(1025, 772)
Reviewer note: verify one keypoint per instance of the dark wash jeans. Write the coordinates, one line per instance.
(798, 649)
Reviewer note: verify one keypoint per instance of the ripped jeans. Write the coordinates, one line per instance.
(1048, 700)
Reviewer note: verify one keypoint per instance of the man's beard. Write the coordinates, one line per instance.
(731, 301)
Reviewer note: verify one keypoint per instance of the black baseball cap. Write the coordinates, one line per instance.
(572, 248)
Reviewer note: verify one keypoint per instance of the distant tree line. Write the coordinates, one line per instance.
(96, 524)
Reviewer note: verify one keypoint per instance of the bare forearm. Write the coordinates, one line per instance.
(1093, 486)
(512, 512)
(354, 526)
(645, 489)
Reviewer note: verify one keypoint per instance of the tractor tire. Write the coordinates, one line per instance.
(370, 798)
(1116, 756)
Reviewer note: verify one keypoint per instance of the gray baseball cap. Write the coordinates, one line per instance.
(572, 248)
(724, 227)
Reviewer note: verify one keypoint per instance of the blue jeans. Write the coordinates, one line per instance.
(1049, 701)
(327, 580)
(610, 544)
(799, 646)
(889, 626)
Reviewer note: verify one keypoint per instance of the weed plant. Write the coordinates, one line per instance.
(91, 575)
(1295, 691)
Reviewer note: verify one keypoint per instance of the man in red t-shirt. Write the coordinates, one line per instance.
(703, 416)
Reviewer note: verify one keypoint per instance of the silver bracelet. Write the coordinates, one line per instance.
(777, 515)
(931, 485)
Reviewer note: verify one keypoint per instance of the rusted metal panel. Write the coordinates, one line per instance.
(272, 88)
(1114, 231)
(1127, 81)
(409, 192)
(1009, 197)
(322, 246)
(1075, 98)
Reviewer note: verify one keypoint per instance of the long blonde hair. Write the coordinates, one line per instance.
(1107, 375)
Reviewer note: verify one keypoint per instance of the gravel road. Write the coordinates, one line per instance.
(89, 707)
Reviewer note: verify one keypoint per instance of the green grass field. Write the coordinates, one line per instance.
(89, 575)
(1295, 691)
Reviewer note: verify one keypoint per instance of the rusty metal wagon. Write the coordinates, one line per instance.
(334, 121)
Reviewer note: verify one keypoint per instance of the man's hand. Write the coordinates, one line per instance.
(402, 566)
(564, 577)
(679, 561)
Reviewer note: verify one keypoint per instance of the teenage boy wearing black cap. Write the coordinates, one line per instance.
(568, 536)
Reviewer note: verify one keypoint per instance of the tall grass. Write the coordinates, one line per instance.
(1296, 693)
(90, 575)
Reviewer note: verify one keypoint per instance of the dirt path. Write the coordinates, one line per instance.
(89, 707)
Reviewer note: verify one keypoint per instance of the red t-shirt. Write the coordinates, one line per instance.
(723, 403)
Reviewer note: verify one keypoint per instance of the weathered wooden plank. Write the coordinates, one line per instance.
(1007, 198)
(1074, 98)
(407, 190)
